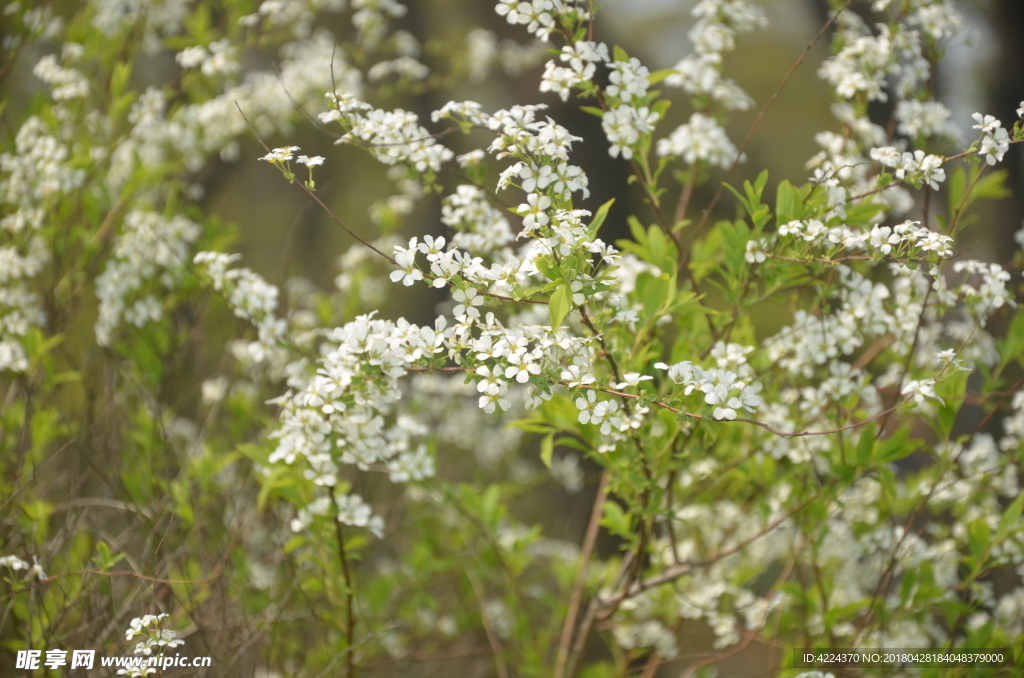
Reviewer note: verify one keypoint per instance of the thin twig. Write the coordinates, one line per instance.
(350, 620)
(581, 575)
(129, 573)
(501, 666)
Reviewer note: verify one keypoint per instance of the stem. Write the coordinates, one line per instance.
(684, 197)
(581, 574)
(492, 637)
(350, 621)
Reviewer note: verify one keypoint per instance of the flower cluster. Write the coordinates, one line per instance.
(220, 58)
(991, 294)
(907, 240)
(252, 298)
(38, 173)
(915, 168)
(541, 17)
(480, 227)
(624, 126)
(713, 34)
(151, 248)
(393, 137)
(723, 389)
(582, 58)
(16, 564)
(67, 83)
(541, 148)
(995, 140)
(702, 140)
(156, 639)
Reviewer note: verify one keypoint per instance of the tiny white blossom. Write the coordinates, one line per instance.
(921, 390)
(279, 155)
(632, 379)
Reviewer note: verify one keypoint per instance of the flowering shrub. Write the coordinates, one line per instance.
(844, 478)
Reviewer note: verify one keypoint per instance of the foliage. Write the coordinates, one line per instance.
(286, 469)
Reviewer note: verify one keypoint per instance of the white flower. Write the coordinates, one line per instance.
(628, 79)
(474, 158)
(282, 154)
(489, 400)
(534, 209)
(406, 258)
(921, 390)
(311, 162)
(13, 562)
(995, 140)
(192, 57)
(598, 413)
(468, 299)
(624, 126)
(755, 253)
(214, 390)
(521, 366)
(750, 397)
(632, 379)
(575, 377)
(432, 247)
(586, 406)
(492, 379)
(702, 139)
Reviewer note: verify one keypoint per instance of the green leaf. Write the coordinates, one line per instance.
(657, 76)
(866, 445)
(560, 304)
(619, 54)
(546, 265)
(1012, 346)
(896, 447)
(1010, 518)
(654, 293)
(979, 537)
(743, 201)
(489, 504)
(599, 217)
(760, 182)
(547, 448)
(951, 390)
(615, 520)
(530, 425)
(661, 108)
(908, 586)
(119, 78)
(788, 203)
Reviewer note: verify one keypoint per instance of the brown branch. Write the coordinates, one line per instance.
(500, 665)
(129, 573)
(350, 621)
(581, 575)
